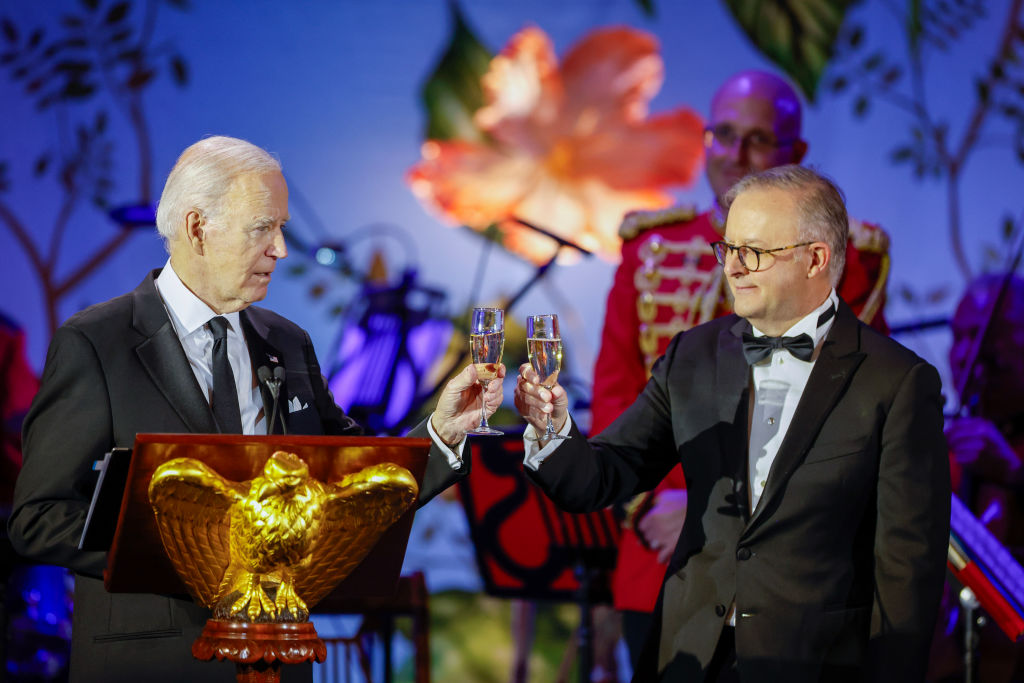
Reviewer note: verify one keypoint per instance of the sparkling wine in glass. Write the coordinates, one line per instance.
(486, 342)
(544, 346)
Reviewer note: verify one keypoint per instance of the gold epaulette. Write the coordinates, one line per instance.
(636, 222)
(868, 237)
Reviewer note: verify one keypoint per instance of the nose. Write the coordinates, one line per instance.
(278, 248)
(733, 266)
(735, 150)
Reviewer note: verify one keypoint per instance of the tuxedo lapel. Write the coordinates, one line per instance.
(165, 361)
(732, 371)
(264, 354)
(732, 393)
(839, 358)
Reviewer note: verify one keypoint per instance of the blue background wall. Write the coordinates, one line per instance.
(332, 89)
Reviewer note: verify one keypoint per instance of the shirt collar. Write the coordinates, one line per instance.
(190, 311)
(809, 323)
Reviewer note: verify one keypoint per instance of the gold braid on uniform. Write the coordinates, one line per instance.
(872, 239)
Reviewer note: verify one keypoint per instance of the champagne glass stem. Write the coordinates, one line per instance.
(483, 406)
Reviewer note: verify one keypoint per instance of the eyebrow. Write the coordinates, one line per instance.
(261, 221)
(747, 243)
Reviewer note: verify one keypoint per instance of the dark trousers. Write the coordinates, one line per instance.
(722, 668)
(635, 626)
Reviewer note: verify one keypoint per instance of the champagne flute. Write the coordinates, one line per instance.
(544, 346)
(486, 342)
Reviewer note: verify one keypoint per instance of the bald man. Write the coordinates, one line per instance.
(669, 281)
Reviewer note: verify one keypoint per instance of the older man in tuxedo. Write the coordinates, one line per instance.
(181, 353)
(814, 544)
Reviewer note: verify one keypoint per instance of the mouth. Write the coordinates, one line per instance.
(263, 276)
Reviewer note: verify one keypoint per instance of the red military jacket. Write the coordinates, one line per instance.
(669, 281)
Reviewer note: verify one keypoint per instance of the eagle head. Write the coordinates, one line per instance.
(281, 474)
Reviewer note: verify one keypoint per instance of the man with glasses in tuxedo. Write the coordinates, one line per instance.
(814, 544)
(669, 281)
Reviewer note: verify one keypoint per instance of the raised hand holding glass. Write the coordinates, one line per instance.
(486, 342)
(544, 346)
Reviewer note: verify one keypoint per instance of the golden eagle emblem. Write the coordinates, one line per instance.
(267, 549)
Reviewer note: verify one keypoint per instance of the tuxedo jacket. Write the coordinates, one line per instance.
(114, 370)
(836, 574)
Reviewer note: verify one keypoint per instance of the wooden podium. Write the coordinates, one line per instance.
(137, 563)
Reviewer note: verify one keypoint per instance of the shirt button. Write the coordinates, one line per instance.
(743, 554)
(771, 420)
(720, 610)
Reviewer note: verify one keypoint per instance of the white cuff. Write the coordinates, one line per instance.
(534, 458)
(454, 456)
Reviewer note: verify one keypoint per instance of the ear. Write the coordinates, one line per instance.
(195, 230)
(799, 151)
(820, 257)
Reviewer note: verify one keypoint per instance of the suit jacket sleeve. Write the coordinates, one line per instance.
(439, 474)
(630, 456)
(66, 430)
(912, 530)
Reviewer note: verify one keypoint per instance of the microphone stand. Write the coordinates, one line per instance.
(273, 383)
(540, 272)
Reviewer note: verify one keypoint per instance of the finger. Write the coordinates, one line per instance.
(536, 403)
(527, 372)
(464, 379)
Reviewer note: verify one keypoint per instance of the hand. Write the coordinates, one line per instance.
(982, 449)
(458, 407)
(534, 402)
(661, 526)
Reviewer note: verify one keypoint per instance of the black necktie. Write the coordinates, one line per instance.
(225, 393)
(758, 348)
(801, 346)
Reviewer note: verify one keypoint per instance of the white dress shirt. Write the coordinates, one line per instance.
(779, 381)
(189, 315)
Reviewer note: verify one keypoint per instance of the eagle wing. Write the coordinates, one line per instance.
(192, 505)
(356, 512)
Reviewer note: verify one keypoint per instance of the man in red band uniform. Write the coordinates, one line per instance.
(669, 281)
(987, 449)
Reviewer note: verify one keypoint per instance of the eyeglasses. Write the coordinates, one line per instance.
(757, 141)
(751, 258)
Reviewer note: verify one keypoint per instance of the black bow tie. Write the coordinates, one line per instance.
(758, 348)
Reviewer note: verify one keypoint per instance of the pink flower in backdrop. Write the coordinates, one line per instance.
(567, 147)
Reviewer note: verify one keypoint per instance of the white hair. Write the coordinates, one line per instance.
(202, 177)
(822, 209)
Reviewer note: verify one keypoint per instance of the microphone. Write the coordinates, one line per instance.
(273, 383)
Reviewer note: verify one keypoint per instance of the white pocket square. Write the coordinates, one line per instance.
(295, 405)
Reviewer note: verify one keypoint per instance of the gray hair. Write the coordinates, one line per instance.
(822, 209)
(202, 177)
